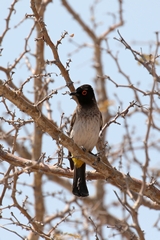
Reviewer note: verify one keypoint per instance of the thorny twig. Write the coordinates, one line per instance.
(122, 114)
(62, 220)
(149, 65)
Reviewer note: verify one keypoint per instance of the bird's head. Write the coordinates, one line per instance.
(85, 95)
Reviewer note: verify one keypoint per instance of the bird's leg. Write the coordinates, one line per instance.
(83, 148)
(97, 157)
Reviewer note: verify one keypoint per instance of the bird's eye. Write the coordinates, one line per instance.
(84, 92)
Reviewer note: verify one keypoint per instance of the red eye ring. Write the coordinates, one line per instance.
(84, 92)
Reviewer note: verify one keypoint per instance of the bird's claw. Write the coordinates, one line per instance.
(83, 148)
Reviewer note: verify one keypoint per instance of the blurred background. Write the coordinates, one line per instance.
(89, 49)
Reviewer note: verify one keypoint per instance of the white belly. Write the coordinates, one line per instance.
(86, 133)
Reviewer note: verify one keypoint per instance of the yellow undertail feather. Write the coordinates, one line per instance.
(77, 162)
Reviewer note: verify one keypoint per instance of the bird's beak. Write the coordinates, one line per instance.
(73, 94)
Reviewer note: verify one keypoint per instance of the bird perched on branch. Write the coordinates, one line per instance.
(86, 123)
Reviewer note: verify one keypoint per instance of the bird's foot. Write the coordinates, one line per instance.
(97, 157)
(83, 148)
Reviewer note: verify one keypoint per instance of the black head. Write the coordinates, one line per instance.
(85, 95)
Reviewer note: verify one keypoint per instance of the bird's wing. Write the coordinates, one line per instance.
(72, 122)
(99, 143)
(71, 127)
(101, 121)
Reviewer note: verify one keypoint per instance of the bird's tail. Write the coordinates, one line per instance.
(79, 181)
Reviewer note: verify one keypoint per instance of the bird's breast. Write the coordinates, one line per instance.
(85, 131)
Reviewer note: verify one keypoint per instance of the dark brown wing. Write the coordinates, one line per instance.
(101, 121)
(72, 121)
(99, 143)
(71, 126)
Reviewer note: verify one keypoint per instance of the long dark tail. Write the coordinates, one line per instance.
(79, 182)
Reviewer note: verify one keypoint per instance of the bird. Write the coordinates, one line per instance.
(85, 126)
